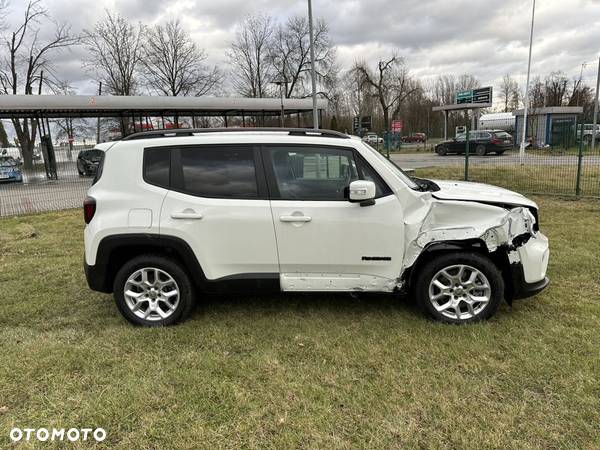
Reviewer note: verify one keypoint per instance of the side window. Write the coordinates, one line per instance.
(381, 189)
(157, 165)
(306, 173)
(218, 172)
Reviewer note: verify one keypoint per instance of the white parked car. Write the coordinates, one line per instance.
(372, 139)
(174, 214)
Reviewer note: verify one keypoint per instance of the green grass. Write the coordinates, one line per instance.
(300, 371)
(554, 180)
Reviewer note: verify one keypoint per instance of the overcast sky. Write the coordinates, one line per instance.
(486, 38)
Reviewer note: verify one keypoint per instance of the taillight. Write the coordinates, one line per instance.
(496, 141)
(89, 209)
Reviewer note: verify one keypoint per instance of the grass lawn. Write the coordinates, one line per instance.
(300, 371)
(541, 179)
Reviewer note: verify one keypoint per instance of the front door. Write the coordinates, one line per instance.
(324, 241)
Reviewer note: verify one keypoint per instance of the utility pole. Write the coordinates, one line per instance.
(526, 102)
(98, 124)
(595, 121)
(312, 66)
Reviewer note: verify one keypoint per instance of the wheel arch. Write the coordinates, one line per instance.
(115, 251)
(434, 249)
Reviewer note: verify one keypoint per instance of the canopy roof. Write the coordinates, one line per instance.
(61, 106)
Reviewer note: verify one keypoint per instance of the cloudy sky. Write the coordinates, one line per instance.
(486, 38)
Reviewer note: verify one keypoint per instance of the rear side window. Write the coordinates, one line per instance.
(218, 172)
(157, 166)
(502, 135)
(100, 168)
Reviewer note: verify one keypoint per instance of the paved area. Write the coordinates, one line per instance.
(26, 198)
(416, 160)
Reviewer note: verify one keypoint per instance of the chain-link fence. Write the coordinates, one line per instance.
(52, 181)
(558, 157)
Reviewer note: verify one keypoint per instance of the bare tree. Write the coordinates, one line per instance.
(28, 55)
(173, 63)
(290, 56)
(114, 47)
(70, 128)
(509, 92)
(555, 86)
(391, 84)
(252, 70)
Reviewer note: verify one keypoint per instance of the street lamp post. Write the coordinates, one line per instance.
(312, 66)
(526, 101)
(281, 84)
(595, 121)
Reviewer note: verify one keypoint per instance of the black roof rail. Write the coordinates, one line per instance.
(192, 131)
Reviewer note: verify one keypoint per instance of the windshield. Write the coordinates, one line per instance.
(7, 162)
(394, 168)
(92, 153)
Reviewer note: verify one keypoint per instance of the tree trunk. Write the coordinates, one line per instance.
(386, 119)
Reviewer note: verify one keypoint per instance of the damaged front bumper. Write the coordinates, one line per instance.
(528, 266)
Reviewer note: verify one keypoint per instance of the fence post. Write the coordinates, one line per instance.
(579, 162)
(388, 143)
(467, 155)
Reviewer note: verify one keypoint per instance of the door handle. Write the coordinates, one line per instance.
(186, 215)
(295, 218)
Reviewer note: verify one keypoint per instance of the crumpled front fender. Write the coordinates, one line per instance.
(495, 226)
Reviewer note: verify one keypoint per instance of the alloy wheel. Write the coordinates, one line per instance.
(459, 292)
(151, 294)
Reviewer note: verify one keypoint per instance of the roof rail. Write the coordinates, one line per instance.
(192, 131)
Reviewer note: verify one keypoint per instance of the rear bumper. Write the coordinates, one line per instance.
(97, 278)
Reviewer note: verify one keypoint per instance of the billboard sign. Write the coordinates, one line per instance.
(479, 95)
(397, 126)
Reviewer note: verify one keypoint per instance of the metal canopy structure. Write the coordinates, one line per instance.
(84, 106)
(461, 107)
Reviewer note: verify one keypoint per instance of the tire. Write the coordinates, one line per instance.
(425, 288)
(480, 150)
(155, 304)
(441, 150)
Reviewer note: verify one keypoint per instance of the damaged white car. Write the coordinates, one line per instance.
(174, 214)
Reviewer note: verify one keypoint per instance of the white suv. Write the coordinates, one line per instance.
(174, 214)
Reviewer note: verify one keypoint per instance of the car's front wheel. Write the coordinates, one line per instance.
(459, 288)
(151, 290)
(441, 150)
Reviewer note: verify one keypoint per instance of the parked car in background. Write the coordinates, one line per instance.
(588, 131)
(481, 142)
(88, 161)
(372, 139)
(10, 169)
(415, 137)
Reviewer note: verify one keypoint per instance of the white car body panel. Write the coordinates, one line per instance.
(232, 237)
(341, 239)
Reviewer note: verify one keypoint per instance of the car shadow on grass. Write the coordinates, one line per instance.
(306, 302)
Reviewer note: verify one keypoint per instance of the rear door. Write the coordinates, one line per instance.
(218, 204)
(324, 241)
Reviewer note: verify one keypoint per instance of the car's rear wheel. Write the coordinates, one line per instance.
(151, 290)
(480, 150)
(441, 150)
(459, 288)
